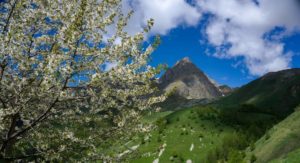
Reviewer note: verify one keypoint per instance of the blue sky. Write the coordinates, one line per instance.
(232, 41)
(186, 42)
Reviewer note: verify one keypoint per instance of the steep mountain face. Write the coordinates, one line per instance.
(187, 81)
(277, 93)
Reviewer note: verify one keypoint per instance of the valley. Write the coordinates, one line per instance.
(255, 123)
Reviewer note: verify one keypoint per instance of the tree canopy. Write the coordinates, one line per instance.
(57, 99)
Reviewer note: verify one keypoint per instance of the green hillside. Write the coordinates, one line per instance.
(206, 134)
(292, 157)
(183, 135)
(237, 128)
(281, 143)
(198, 134)
(275, 93)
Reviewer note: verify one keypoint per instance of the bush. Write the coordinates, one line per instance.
(201, 136)
(235, 156)
(175, 154)
(211, 157)
(267, 137)
(160, 131)
(159, 139)
(162, 124)
(253, 158)
(230, 148)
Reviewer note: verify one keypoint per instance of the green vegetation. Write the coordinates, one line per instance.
(237, 128)
(209, 134)
(55, 88)
(275, 93)
(199, 134)
(281, 142)
(153, 116)
(187, 134)
(293, 157)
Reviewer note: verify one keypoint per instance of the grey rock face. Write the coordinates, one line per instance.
(186, 80)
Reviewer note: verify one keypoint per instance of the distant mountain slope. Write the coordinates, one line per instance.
(221, 131)
(187, 81)
(281, 143)
(226, 90)
(276, 93)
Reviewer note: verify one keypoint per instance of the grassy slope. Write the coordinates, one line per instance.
(281, 142)
(276, 93)
(184, 128)
(292, 157)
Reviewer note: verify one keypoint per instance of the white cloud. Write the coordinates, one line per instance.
(237, 28)
(242, 25)
(167, 14)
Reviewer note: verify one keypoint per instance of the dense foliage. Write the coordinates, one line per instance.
(56, 99)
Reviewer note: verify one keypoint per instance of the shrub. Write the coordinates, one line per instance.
(158, 139)
(267, 136)
(235, 156)
(211, 157)
(253, 158)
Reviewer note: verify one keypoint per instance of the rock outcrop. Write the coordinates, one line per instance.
(186, 80)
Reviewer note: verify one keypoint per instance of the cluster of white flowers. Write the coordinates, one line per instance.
(51, 52)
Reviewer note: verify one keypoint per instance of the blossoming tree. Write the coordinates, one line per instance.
(56, 100)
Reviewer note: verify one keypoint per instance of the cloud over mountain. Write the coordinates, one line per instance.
(241, 28)
(249, 29)
(168, 14)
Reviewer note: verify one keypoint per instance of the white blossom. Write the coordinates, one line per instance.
(53, 91)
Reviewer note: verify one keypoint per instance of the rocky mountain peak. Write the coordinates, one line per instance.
(185, 60)
(188, 81)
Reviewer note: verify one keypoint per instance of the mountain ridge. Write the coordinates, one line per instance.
(277, 93)
(186, 80)
(236, 128)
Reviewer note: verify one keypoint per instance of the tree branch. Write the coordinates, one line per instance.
(7, 22)
(44, 115)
